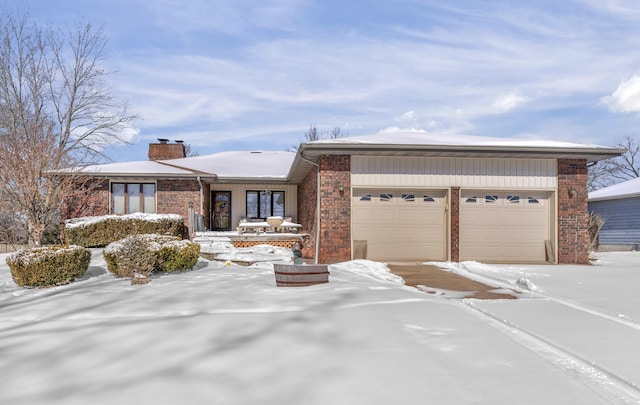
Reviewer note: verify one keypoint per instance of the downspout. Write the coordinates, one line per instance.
(201, 195)
(317, 206)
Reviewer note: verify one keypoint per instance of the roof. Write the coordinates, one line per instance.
(223, 166)
(446, 144)
(626, 189)
(245, 166)
(139, 168)
(421, 143)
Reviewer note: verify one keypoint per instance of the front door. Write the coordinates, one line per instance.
(221, 210)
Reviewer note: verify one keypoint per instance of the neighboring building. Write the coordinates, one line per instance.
(405, 196)
(619, 205)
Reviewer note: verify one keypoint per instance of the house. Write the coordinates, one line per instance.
(403, 196)
(619, 205)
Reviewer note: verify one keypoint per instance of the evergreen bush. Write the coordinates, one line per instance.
(100, 231)
(48, 266)
(143, 254)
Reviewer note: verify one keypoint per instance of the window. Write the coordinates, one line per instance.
(366, 197)
(428, 199)
(408, 197)
(491, 199)
(264, 204)
(471, 199)
(386, 197)
(513, 199)
(533, 200)
(127, 198)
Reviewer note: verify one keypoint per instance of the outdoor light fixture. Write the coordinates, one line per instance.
(572, 192)
(340, 187)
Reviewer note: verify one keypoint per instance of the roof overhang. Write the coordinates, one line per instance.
(312, 151)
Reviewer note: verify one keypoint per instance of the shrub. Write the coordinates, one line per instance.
(130, 256)
(48, 266)
(177, 255)
(142, 254)
(100, 231)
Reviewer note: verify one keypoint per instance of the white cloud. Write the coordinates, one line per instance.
(508, 102)
(626, 98)
(408, 116)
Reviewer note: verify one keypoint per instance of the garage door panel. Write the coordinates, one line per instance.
(403, 227)
(495, 227)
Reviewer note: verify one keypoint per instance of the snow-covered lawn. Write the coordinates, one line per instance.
(227, 335)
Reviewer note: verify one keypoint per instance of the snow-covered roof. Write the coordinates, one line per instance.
(424, 138)
(293, 166)
(138, 168)
(626, 189)
(235, 165)
(446, 144)
(239, 164)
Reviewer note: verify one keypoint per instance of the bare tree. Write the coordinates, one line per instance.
(189, 151)
(55, 112)
(611, 171)
(313, 134)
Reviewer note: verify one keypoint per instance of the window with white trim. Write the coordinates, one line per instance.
(265, 203)
(385, 197)
(128, 198)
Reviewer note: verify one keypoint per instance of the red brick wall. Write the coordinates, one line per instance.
(174, 196)
(573, 214)
(455, 224)
(335, 209)
(307, 203)
(92, 199)
(163, 151)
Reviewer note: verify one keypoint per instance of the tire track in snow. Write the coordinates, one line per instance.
(501, 283)
(607, 384)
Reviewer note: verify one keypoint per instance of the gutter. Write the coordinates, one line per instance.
(317, 205)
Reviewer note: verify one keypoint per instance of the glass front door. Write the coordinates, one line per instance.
(221, 210)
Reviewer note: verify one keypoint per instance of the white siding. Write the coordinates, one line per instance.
(403, 171)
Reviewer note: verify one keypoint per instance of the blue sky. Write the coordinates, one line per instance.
(254, 74)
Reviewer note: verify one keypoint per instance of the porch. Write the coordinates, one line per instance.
(213, 242)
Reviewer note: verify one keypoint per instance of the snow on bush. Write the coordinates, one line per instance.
(48, 266)
(102, 230)
(143, 254)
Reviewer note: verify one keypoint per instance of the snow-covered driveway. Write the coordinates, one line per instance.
(227, 335)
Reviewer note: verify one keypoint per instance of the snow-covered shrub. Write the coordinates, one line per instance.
(100, 231)
(130, 256)
(177, 255)
(142, 254)
(48, 266)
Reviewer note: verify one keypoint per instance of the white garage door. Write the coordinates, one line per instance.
(400, 225)
(504, 227)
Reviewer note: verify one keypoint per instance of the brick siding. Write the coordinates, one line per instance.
(307, 205)
(335, 209)
(174, 196)
(455, 224)
(164, 151)
(573, 214)
(91, 199)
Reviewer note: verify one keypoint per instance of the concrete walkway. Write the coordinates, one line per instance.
(441, 281)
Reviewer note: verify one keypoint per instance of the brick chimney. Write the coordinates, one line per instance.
(165, 150)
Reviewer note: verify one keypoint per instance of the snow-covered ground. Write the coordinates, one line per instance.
(225, 334)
